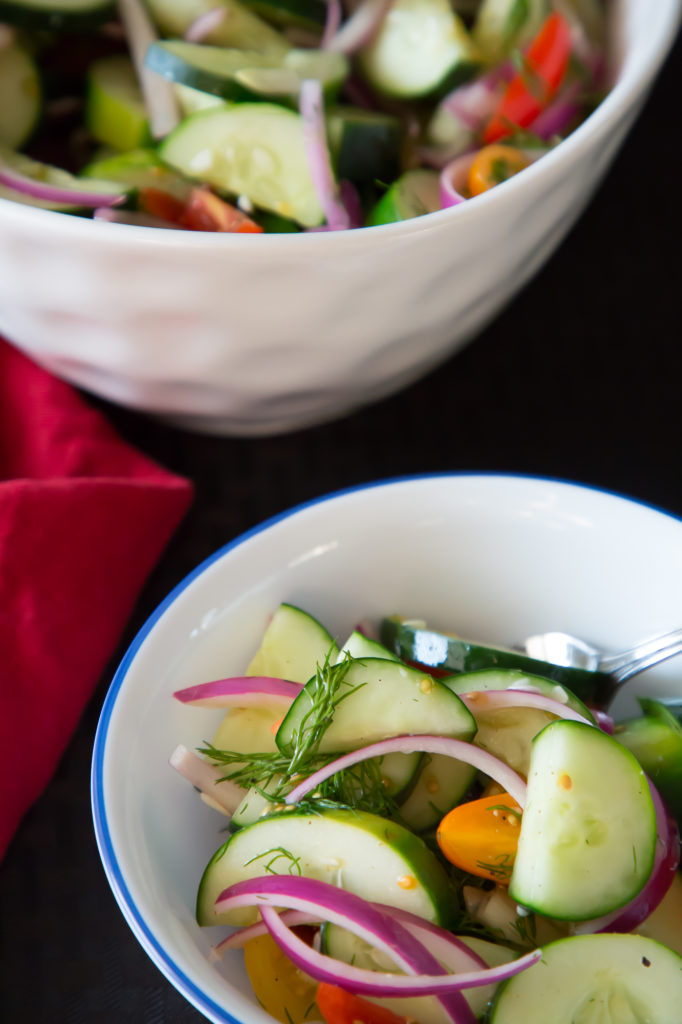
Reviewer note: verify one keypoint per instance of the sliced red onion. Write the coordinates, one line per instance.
(475, 102)
(76, 196)
(238, 939)
(205, 24)
(490, 700)
(604, 721)
(459, 749)
(361, 28)
(207, 778)
(331, 23)
(666, 862)
(311, 107)
(241, 692)
(453, 180)
(159, 94)
(135, 217)
(376, 983)
(556, 118)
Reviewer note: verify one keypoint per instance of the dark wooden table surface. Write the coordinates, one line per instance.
(580, 378)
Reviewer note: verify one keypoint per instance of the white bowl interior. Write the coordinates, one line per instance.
(494, 558)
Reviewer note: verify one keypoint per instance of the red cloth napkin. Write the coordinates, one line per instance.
(83, 519)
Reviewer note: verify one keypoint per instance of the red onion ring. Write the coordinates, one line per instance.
(474, 102)
(351, 912)
(54, 193)
(240, 691)
(159, 94)
(453, 180)
(490, 700)
(204, 24)
(207, 778)
(459, 749)
(317, 153)
(331, 23)
(361, 28)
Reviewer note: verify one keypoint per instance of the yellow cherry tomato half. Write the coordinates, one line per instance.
(492, 165)
(482, 836)
(281, 989)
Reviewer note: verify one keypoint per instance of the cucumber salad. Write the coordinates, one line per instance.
(275, 116)
(421, 831)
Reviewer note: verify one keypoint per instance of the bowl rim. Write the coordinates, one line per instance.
(155, 950)
(620, 98)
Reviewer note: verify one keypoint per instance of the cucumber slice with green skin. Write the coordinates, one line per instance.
(588, 831)
(350, 949)
(415, 642)
(595, 979)
(240, 28)
(364, 144)
(655, 738)
(115, 113)
(508, 732)
(412, 195)
(307, 14)
(251, 149)
(191, 100)
(239, 75)
(421, 47)
(440, 786)
(49, 175)
(360, 646)
(21, 95)
(139, 168)
(72, 15)
(362, 853)
(504, 25)
(292, 645)
(389, 699)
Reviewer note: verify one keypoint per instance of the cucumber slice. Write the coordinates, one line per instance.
(139, 168)
(242, 74)
(115, 113)
(51, 176)
(588, 831)
(508, 732)
(21, 95)
(390, 700)
(655, 738)
(360, 852)
(191, 100)
(595, 979)
(412, 195)
(350, 949)
(360, 646)
(63, 14)
(292, 645)
(441, 784)
(252, 149)
(307, 14)
(421, 46)
(504, 25)
(365, 145)
(413, 641)
(240, 28)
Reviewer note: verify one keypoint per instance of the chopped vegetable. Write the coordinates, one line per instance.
(481, 836)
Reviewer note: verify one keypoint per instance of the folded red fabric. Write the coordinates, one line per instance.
(83, 519)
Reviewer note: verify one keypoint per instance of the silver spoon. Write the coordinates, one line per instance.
(570, 652)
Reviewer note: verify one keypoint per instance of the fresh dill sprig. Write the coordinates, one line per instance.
(274, 774)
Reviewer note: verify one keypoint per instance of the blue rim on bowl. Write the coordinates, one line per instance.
(105, 842)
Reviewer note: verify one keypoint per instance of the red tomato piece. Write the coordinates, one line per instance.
(528, 93)
(205, 211)
(340, 1007)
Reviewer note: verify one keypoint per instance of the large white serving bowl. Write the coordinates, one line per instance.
(251, 335)
(495, 558)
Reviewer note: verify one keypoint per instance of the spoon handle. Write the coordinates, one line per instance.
(645, 655)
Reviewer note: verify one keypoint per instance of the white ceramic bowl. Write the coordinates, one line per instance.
(492, 557)
(244, 335)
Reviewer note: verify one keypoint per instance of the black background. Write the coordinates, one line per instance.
(579, 379)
